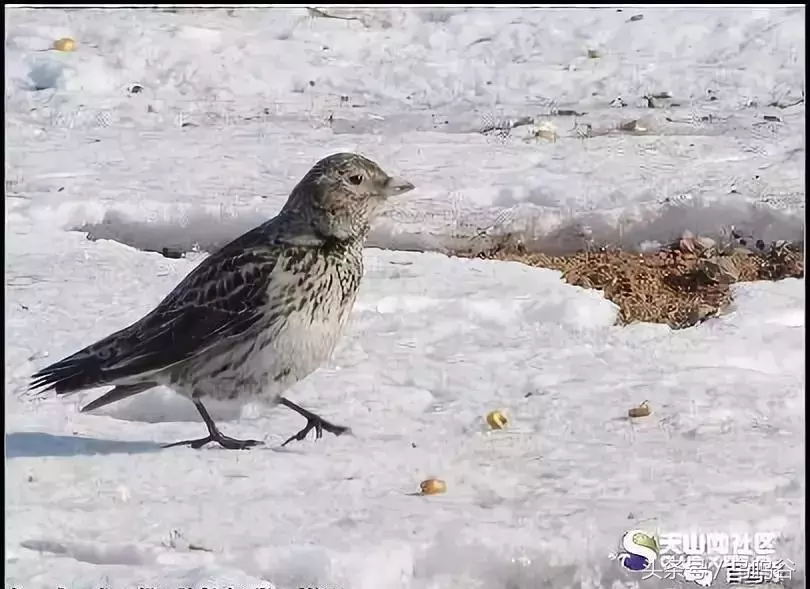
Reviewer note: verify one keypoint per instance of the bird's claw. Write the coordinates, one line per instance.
(319, 425)
(224, 441)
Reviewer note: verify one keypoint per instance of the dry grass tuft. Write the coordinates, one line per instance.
(681, 285)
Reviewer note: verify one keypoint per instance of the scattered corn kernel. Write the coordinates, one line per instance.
(642, 410)
(433, 487)
(65, 44)
(497, 420)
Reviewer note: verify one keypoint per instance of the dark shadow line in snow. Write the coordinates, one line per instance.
(173, 239)
(207, 233)
(40, 444)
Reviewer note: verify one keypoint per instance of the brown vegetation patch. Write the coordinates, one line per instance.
(680, 285)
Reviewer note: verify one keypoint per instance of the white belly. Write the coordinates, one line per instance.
(300, 328)
(265, 366)
(299, 348)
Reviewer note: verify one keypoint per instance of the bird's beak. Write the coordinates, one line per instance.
(395, 186)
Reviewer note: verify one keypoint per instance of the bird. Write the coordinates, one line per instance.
(253, 318)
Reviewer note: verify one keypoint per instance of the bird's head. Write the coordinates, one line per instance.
(341, 194)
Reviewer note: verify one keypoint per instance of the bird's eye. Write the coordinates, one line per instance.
(356, 179)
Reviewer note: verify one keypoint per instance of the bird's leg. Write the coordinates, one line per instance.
(313, 422)
(214, 435)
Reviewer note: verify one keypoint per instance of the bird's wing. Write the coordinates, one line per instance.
(222, 298)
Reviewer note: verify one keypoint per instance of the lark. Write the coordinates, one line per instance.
(255, 317)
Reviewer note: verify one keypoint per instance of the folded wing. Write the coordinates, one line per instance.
(222, 298)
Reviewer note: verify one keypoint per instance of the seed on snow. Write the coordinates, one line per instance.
(497, 420)
(433, 487)
(65, 44)
(642, 410)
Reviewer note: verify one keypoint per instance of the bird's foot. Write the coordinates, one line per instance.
(222, 440)
(319, 425)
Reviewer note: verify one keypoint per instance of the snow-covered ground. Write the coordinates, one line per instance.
(235, 107)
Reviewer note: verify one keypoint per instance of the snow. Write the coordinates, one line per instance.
(435, 343)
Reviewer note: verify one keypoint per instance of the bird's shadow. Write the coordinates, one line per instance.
(38, 444)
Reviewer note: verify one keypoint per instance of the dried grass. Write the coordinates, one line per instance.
(675, 286)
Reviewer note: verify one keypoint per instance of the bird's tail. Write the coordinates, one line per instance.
(118, 393)
(82, 370)
(85, 370)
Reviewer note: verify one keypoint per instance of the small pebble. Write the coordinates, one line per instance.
(171, 253)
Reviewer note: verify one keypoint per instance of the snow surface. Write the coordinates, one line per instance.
(435, 342)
